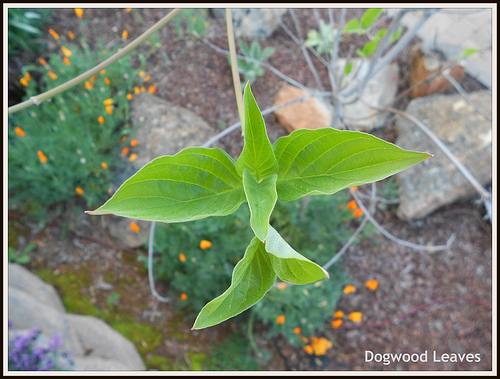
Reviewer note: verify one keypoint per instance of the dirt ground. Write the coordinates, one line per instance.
(436, 302)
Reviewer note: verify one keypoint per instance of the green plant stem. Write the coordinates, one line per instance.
(250, 334)
(37, 100)
(234, 67)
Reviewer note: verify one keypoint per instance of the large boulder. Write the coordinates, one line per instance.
(93, 343)
(436, 182)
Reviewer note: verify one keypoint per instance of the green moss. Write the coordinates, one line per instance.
(145, 336)
(160, 363)
(197, 360)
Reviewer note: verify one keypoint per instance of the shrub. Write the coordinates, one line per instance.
(69, 145)
(24, 29)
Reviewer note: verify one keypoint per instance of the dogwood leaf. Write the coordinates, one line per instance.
(195, 183)
(324, 161)
(257, 155)
(289, 265)
(261, 197)
(252, 277)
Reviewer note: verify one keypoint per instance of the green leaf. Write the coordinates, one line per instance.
(252, 277)
(257, 155)
(348, 68)
(467, 51)
(25, 27)
(380, 34)
(369, 17)
(195, 183)
(395, 36)
(369, 48)
(289, 265)
(352, 26)
(324, 161)
(261, 197)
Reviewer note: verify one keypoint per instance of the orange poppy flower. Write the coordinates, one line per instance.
(184, 296)
(182, 257)
(349, 289)
(79, 191)
(135, 228)
(104, 165)
(52, 75)
(356, 316)
(125, 150)
(357, 213)
(66, 61)
(79, 12)
(280, 319)
(338, 314)
(19, 131)
(67, 52)
(351, 205)
(129, 96)
(53, 34)
(336, 323)
(133, 157)
(204, 244)
(100, 120)
(43, 158)
(297, 330)
(372, 284)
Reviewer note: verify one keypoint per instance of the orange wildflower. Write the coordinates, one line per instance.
(356, 316)
(124, 138)
(89, 85)
(349, 289)
(100, 120)
(129, 96)
(24, 82)
(133, 157)
(79, 191)
(67, 52)
(107, 81)
(53, 33)
(280, 319)
(135, 228)
(27, 76)
(66, 61)
(128, 10)
(43, 158)
(109, 109)
(147, 78)
(134, 143)
(19, 131)
(108, 101)
(372, 284)
(351, 205)
(357, 213)
(309, 349)
(125, 150)
(182, 257)
(282, 286)
(336, 323)
(338, 314)
(297, 330)
(320, 345)
(104, 165)
(304, 339)
(204, 244)
(152, 89)
(142, 73)
(143, 89)
(71, 35)
(79, 12)
(355, 188)
(125, 34)
(42, 61)
(103, 71)
(184, 296)
(52, 75)
(137, 90)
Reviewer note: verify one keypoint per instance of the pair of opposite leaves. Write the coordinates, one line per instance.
(200, 182)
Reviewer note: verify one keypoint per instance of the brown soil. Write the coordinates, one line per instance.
(435, 302)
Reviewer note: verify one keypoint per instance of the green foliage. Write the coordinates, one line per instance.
(22, 257)
(467, 52)
(69, 141)
(323, 39)
(234, 354)
(252, 70)
(201, 182)
(194, 20)
(24, 27)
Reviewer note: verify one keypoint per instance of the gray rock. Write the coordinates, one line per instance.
(119, 228)
(380, 91)
(105, 342)
(25, 311)
(98, 364)
(165, 128)
(436, 182)
(253, 22)
(21, 278)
